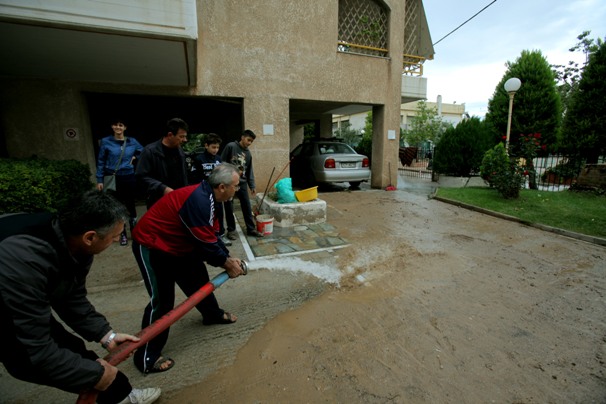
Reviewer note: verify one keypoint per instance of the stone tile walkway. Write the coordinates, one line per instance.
(292, 240)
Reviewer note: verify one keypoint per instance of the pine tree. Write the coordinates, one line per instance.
(584, 128)
(537, 106)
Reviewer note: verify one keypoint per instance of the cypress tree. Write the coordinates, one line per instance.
(584, 128)
(537, 107)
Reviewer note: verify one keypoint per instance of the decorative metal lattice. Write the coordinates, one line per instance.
(412, 64)
(363, 27)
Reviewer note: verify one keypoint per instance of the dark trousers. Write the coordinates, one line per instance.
(161, 271)
(126, 191)
(17, 363)
(242, 195)
(220, 215)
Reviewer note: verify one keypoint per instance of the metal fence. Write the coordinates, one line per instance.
(416, 162)
(555, 172)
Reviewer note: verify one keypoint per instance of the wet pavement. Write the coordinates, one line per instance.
(293, 240)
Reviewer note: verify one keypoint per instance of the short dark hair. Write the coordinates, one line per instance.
(173, 126)
(222, 174)
(212, 138)
(249, 133)
(93, 210)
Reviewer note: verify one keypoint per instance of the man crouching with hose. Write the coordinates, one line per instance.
(171, 243)
(44, 262)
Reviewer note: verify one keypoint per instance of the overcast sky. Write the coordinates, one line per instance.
(469, 63)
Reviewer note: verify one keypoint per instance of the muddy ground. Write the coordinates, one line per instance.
(431, 303)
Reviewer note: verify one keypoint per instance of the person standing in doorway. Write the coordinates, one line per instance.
(238, 154)
(117, 155)
(162, 168)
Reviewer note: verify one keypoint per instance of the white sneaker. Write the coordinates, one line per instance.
(226, 241)
(142, 396)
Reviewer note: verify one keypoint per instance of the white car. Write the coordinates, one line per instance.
(326, 161)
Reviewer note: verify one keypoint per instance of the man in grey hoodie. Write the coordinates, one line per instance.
(238, 154)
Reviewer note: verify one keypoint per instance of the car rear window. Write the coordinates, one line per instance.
(334, 148)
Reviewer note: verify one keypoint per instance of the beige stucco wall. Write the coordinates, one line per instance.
(272, 51)
(265, 53)
(35, 116)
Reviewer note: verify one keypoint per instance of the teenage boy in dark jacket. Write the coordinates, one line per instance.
(202, 166)
(238, 154)
(44, 262)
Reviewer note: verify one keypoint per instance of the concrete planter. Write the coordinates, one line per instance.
(293, 214)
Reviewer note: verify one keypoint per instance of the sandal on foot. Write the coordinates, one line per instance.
(157, 368)
(226, 318)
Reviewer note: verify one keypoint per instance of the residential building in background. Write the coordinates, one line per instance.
(450, 113)
(273, 66)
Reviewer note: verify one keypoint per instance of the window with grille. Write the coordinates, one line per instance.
(363, 27)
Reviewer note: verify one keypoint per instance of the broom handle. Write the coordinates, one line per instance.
(287, 164)
(265, 193)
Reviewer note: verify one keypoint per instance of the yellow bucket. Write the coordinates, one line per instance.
(307, 195)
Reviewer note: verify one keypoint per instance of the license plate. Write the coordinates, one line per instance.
(348, 165)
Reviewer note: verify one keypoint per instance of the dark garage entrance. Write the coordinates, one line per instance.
(145, 116)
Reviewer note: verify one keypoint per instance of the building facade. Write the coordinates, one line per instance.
(272, 66)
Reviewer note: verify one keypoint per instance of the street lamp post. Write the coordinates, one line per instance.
(511, 86)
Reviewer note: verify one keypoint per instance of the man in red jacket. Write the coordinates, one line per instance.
(171, 243)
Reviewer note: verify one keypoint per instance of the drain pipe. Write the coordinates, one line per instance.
(124, 350)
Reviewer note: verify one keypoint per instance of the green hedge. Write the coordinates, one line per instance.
(38, 185)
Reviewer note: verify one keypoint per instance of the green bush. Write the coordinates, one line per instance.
(460, 149)
(365, 146)
(38, 185)
(502, 172)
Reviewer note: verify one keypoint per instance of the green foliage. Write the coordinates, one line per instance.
(349, 135)
(426, 125)
(584, 128)
(38, 185)
(364, 146)
(368, 125)
(502, 172)
(581, 212)
(568, 76)
(460, 149)
(309, 131)
(195, 143)
(536, 106)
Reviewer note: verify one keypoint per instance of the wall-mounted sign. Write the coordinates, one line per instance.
(268, 129)
(71, 134)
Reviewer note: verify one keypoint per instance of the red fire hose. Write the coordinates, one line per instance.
(123, 351)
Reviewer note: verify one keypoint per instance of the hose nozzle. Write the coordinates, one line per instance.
(244, 266)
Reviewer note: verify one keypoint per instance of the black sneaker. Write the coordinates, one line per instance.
(254, 233)
(232, 235)
(123, 239)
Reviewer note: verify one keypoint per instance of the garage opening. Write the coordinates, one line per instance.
(146, 116)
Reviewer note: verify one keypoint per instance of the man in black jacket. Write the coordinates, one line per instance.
(44, 261)
(161, 167)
